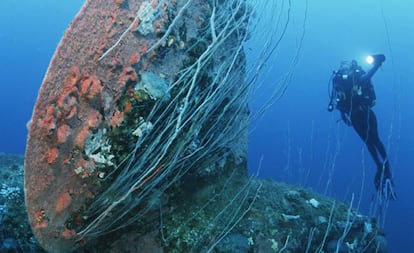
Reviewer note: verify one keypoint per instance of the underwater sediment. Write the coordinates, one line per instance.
(138, 139)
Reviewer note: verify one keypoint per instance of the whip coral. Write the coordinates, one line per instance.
(130, 113)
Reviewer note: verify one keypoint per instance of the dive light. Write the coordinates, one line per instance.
(376, 58)
(369, 59)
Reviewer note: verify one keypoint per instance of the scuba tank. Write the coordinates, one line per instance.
(331, 92)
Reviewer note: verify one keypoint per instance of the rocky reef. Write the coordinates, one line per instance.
(15, 232)
(241, 214)
(233, 213)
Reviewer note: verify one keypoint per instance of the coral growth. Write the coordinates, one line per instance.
(134, 59)
(48, 122)
(117, 119)
(62, 202)
(81, 136)
(53, 154)
(90, 87)
(63, 132)
(94, 119)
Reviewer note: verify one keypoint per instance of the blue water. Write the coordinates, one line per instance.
(300, 141)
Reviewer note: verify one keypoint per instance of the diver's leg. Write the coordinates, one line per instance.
(365, 124)
(383, 177)
(362, 125)
(375, 136)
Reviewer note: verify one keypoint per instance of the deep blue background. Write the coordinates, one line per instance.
(296, 137)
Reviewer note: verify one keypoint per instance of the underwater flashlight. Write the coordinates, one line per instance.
(376, 58)
(369, 59)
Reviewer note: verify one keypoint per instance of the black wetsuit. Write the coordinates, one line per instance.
(365, 124)
(354, 98)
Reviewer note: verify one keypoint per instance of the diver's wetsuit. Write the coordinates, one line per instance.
(364, 122)
(355, 97)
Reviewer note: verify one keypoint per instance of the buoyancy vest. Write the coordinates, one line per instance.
(350, 91)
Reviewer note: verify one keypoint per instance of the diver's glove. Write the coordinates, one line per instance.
(384, 184)
(378, 59)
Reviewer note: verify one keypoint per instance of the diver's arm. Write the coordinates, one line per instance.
(367, 76)
(378, 60)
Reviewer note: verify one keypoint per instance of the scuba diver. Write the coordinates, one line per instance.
(353, 95)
